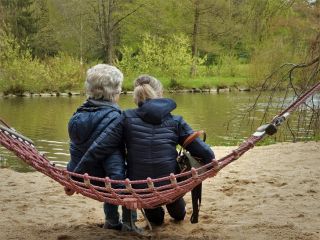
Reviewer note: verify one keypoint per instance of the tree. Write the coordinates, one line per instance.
(43, 43)
(110, 14)
(207, 16)
(1, 15)
(28, 21)
(195, 32)
(71, 24)
(19, 17)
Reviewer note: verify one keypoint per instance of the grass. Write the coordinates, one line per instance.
(208, 78)
(197, 82)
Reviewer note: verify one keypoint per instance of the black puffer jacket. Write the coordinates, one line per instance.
(86, 124)
(151, 135)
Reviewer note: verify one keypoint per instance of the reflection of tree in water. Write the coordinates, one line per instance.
(280, 89)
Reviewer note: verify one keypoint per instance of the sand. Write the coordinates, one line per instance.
(272, 192)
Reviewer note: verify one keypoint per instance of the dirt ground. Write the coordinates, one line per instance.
(272, 192)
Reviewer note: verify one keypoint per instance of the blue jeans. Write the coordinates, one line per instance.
(112, 214)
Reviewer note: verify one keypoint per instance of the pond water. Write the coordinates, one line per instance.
(44, 120)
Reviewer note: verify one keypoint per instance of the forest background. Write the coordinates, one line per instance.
(47, 45)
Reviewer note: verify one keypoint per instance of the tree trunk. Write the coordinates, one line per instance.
(109, 33)
(195, 33)
(108, 26)
(106, 33)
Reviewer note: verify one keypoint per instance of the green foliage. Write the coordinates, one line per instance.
(231, 36)
(14, 65)
(128, 63)
(268, 58)
(43, 43)
(28, 21)
(65, 72)
(19, 16)
(176, 56)
(20, 72)
(150, 55)
(170, 57)
(227, 65)
(174, 84)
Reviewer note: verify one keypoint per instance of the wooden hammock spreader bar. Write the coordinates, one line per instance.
(172, 187)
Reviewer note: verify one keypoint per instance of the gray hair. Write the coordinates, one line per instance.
(104, 81)
(146, 87)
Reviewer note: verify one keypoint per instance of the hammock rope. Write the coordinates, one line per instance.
(172, 187)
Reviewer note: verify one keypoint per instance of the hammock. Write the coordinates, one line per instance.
(174, 186)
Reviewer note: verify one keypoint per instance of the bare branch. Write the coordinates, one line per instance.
(125, 16)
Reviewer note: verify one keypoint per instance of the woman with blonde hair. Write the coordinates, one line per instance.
(151, 134)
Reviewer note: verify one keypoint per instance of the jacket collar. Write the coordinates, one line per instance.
(102, 103)
(155, 111)
(91, 105)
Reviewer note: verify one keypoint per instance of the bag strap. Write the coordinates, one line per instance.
(193, 136)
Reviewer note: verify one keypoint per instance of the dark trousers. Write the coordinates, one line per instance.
(112, 214)
(177, 210)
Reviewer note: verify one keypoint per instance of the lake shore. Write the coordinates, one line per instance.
(272, 192)
(81, 93)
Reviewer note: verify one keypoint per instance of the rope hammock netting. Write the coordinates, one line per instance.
(173, 187)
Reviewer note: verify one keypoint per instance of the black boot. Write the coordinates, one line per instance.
(108, 225)
(129, 218)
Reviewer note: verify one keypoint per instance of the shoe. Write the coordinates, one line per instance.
(129, 228)
(108, 225)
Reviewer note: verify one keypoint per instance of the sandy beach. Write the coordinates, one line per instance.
(272, 192)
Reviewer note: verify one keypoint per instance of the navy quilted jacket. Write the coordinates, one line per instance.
(151, 135)
(87, 123)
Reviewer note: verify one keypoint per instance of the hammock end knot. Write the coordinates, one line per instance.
(128, 185)
(173, 180)
(107, 183)
(235, 154)
(150, 183)
(86, 179)
(216, 165)
(194, 173)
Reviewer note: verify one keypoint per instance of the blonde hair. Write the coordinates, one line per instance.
(104, 81)
(146, 87)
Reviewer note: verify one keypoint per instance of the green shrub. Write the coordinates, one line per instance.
(175, 85)
(170, 57)
(268, 58)
(19, 72)
(66, 73)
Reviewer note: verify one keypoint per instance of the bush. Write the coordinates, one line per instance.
(174, 84)
(19, 72)
(268, 58)
(66, 73)
(168, 57)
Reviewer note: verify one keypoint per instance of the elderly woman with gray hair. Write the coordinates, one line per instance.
(151, 134)
(103, 87)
